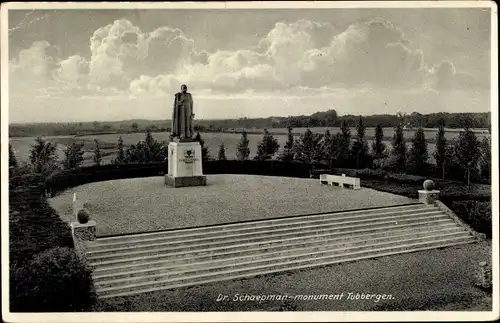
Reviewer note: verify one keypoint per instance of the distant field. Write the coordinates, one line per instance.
(212, 140)
(22, 146)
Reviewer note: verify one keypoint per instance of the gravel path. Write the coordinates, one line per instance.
(145, 204)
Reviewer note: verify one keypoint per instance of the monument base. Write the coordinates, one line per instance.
(185, 167)
(185, 181)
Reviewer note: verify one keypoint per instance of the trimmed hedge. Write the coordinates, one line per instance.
(55, 280)
(258, 167)
(62, 180)
(34, 226)
(380, 174)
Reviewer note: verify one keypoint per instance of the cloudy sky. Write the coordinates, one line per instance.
(86, 65)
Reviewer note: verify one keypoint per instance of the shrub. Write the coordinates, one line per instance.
(56, 280)
(62, 180)
(34, 226)
(368, 173)
(388, 163)
(83, 216)
(476, 213)
(429, 185)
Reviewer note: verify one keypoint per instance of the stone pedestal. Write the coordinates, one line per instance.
(84, 231)
(428, 197)
(185, 164)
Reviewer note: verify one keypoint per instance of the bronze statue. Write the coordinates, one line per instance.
(182, 116)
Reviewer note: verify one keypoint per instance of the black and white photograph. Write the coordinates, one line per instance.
(249, 161)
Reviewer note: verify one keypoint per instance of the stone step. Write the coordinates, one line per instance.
(182, 233)
(102, 246)
(264, 252)
(339, 227)
(276, 240)
(267, 259)
(237, 271)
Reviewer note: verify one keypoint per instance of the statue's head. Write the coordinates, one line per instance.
(184, 88)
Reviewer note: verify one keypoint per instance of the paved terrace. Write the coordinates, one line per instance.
(145, 204)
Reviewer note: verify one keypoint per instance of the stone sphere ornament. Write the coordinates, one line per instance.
(83, 216)
(429, 185)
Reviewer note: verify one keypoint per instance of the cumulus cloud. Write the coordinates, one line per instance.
(373, 53)
(121, 52)
(446, 77)
(168, 49)
(73, 71)
(301, 54)
(115, 51)
(39, 60)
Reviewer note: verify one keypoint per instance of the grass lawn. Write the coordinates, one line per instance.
(439, 280)
(145, 204)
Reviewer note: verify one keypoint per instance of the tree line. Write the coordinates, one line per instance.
(463, 158)
(319, 119)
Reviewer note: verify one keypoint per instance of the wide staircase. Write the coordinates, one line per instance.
(138, 263)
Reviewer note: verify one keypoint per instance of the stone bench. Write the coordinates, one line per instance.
(353, 182)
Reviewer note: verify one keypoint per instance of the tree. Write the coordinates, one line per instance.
(440, 152)
(359, 151)
(308, 147)
(243, 152)
(148, 151)
(120, 152)
(418, 155)
(43, 156)
(73, 156)
(267, 147)
(327, 147)
(399, 148)
(222, 152)
(287, 153)
(134, 126)
(485, 159)
(12, 158)
(204, 150)
(467, 151)
(402, 118)
(378, 146)
(453, 169)
(97, 153)
(343, 143)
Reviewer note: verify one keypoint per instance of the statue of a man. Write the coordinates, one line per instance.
(182, 116)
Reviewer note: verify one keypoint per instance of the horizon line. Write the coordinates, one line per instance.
(241, 118)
